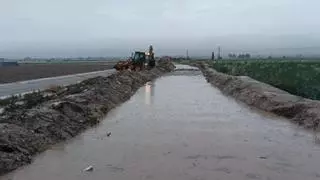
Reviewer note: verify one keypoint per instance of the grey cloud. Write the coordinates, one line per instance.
(40, 25)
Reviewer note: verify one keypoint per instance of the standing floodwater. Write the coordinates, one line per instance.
(179, 128)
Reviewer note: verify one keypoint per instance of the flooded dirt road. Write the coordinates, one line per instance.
(180, 127)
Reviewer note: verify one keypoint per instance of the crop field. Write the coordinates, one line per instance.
(26, 71)
(301, 78)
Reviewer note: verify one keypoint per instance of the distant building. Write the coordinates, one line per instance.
(166, 58)
(7, 63)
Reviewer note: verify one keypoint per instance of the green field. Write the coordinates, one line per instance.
(301, 78)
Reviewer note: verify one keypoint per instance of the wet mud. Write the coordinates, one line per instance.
(32, 123)
(180, 127)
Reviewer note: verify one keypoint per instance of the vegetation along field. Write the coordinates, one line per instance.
(301, 78)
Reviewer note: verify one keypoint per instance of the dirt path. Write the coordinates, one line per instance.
(182, 128)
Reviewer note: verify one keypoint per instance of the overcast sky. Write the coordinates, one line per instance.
(41, 24)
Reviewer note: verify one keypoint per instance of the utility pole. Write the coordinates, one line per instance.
(212, 55)
(187, 54)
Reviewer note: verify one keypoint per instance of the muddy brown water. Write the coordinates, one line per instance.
(179, 128)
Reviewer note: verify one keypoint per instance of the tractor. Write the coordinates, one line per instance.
(137, 61)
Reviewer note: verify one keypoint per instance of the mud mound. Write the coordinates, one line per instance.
(28, 130)
(302, 111)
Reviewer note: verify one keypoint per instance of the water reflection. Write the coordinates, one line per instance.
(149, 93)
(316, 138)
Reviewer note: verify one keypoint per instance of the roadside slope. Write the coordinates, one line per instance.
(24, 132)
(304, 112)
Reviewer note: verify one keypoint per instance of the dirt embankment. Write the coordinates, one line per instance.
(302, 111)
(27, 128)
(36, 71)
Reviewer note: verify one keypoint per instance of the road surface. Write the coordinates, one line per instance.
(181, 128)
(27, 86)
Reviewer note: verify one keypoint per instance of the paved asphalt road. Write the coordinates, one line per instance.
(27, 86)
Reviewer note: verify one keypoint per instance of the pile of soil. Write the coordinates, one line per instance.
(304, 112)
(25, 72)
(60, 114)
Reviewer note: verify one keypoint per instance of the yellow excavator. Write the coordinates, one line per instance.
(137, 61)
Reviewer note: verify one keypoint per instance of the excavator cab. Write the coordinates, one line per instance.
(138, 59)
